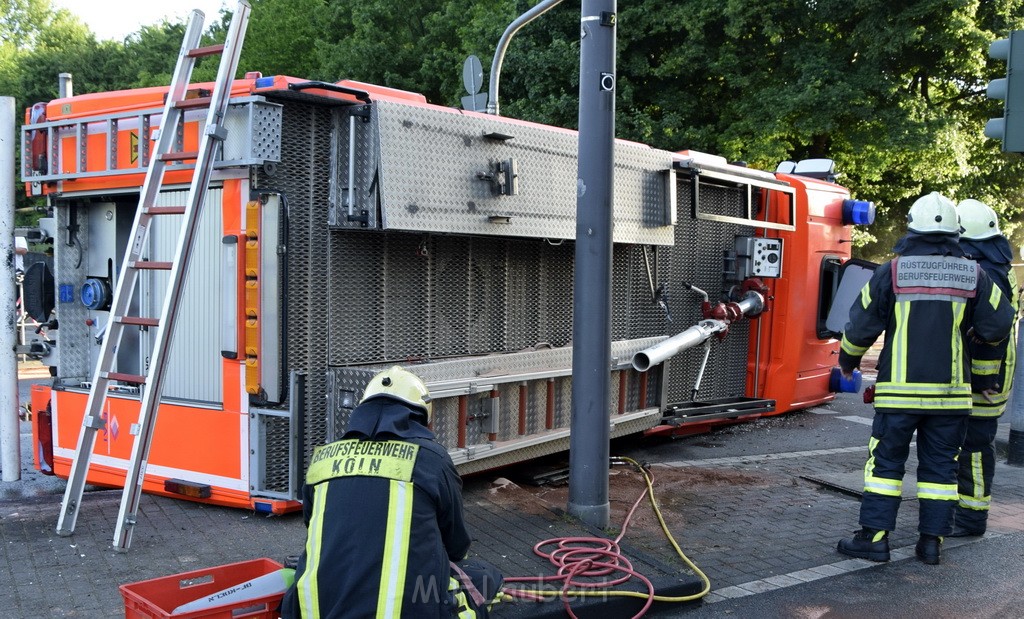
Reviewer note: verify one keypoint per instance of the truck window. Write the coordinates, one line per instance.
(828, 285)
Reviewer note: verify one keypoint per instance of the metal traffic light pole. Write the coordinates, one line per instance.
(1010, 128)
(1015, 447)
(591, 317)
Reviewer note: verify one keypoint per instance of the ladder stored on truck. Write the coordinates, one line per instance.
(134, 262)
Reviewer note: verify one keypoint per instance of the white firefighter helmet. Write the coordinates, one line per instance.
(402, 385)
(978, 219)
(933, 214)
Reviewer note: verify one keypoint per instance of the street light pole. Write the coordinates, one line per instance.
(591, 333)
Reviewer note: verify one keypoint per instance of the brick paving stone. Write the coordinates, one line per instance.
(770, 529)
(758, 586)
(827, 570)
(732, 592)
(783, 580)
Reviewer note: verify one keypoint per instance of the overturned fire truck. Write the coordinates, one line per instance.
(350, 227)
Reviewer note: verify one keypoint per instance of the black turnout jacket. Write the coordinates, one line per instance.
(383, 509)
(931, 302)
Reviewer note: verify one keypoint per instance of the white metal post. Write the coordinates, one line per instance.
(10, 438)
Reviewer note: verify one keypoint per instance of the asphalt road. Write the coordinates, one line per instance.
(979, 580)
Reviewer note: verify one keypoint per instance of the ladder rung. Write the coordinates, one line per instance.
(152, 265)
(166, 210)
(210, 50)
(191, 104)
(139, 320)
(126, 378)
(179, 156)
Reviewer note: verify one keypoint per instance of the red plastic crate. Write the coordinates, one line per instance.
(158, 597)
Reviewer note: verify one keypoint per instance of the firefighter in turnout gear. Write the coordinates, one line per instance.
(930, 301)
(992, 381)
(383, 508)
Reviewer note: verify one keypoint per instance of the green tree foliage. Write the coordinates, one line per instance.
(283, 36)
(893, 92)
(419, 48)
(23, 20)
(38, 42)
(147, 57)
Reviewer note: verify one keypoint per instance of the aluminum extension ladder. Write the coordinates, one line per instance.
(151, 384)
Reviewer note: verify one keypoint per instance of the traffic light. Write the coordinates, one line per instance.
(1009, 128)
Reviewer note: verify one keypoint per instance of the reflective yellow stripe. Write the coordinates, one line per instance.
(869, 466)
(985, 367)
(1011, 277)
(396, 550)
(881, 485)
(978, 505)
(865, 296)
(461, 600)
(995, 296)
(979, 500)
(938, 492)
(923, 403)
(852, 349)
(923, 388)
(1000, 398)
(980, 411)
(899, 340)
(309, 595)
(923, 395)
(977, 475)
(1010, 361)
(957, 344)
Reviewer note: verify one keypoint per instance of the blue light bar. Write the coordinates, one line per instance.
(858, 212)
(265, 82)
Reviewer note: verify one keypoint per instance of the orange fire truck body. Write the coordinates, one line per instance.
(350, 227)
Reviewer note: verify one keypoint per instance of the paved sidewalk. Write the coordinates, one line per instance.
(758, 507)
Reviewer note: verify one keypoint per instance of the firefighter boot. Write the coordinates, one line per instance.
(969, 522)
(928, 549)
(960, 530)
(870, 544)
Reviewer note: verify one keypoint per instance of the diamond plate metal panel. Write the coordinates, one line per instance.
(253, 133)
(74, 341)
(431, 162)
(360, 176)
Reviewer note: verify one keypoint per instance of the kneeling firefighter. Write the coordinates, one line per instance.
(383, 509)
